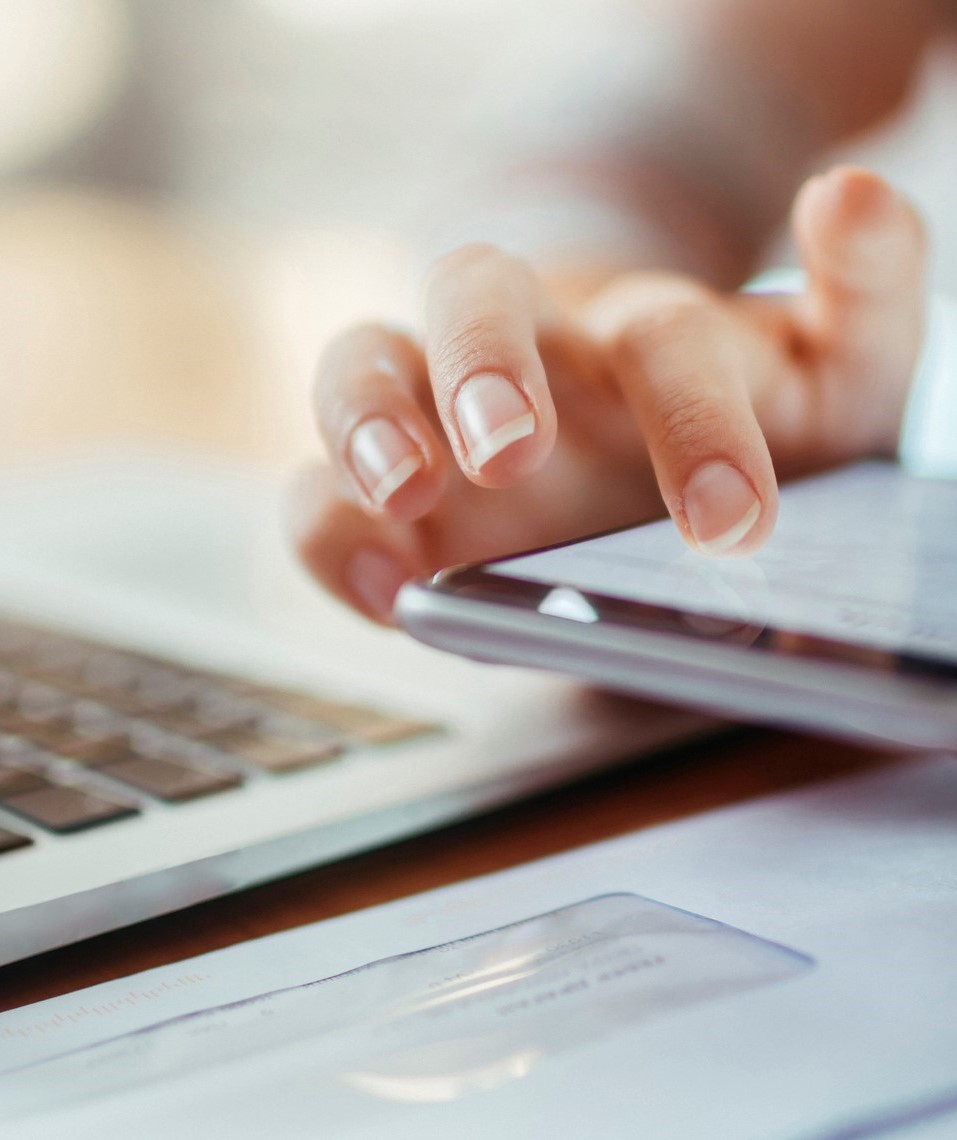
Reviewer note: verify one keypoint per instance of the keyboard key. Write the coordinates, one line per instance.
(16, 643)
(40, 733)
(41, 713)
(163, 690)
(15, 748)
(94, 751)
(280, 753)
(369, 725)
(11, 841)
(204, 717)
(168, 779)
(109, 674)
(56, 659)
(56, 726)
(39, 699)
(13, 781)
(383, 728)
(9, 691)
(63, 809)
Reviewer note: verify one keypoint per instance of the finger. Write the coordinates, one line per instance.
(481, 313)
(683, 369)
(361, 561)
(864, 250)
(369, 391)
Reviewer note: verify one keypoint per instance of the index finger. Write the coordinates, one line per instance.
(482, 308)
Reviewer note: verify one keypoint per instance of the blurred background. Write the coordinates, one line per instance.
(196, 194)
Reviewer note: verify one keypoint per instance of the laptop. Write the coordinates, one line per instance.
(184, 714)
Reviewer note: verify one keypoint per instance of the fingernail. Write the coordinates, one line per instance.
(492, 414)
(375, 579)
(720, 506)
(383, 458)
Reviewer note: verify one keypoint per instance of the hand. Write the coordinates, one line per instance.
(515, 423)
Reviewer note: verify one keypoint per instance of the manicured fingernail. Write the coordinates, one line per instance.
(492, 414)
(720, 506)
(375, 579)
(383, 458)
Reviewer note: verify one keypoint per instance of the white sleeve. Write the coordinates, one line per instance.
(928, 439)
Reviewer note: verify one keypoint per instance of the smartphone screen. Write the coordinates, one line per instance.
(845, 621)
(861, 557)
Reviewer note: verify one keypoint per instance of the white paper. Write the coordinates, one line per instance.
(446, 1021)
(859, 876)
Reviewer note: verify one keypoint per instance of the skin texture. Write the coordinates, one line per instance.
(528, 412)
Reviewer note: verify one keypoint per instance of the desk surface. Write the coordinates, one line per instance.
(692, 780)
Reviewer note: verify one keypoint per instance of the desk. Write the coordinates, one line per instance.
(694, 779)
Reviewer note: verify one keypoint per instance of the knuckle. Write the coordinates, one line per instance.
(684, 315)
(672, 317)
(686, 421)
(467, 347)
(659, 348)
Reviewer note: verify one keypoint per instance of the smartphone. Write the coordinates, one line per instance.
(845, 622)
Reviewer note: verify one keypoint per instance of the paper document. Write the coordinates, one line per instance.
(783, 968)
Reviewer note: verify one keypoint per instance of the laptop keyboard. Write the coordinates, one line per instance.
(91, 734)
